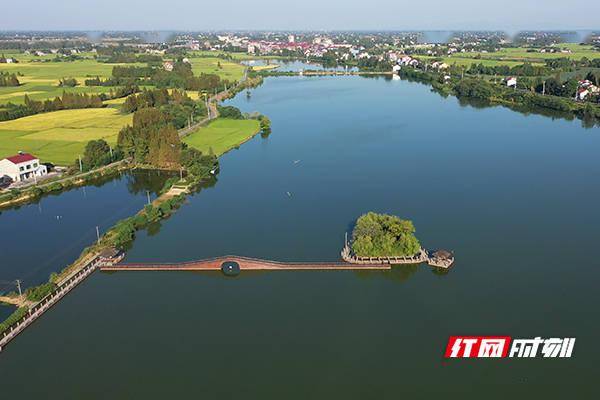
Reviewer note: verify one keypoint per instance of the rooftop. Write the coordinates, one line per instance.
(21, 158)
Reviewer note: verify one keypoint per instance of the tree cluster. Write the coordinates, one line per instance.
(7, 79)
(67, 82)
(229, 112)
(381, 235)
(151, 139)
(98, 153)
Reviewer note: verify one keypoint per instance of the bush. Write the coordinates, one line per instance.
(12, 318)
(37, 293)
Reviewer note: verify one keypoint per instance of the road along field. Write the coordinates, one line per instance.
(223, 135)
(60, 137)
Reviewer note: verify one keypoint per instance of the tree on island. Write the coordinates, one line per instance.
(382, 235)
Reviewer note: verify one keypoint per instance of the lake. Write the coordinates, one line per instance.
(514, 196)
(297, 65)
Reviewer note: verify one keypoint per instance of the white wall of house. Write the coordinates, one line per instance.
(22, 171)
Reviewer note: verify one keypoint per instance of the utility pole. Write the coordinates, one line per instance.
(18, 281)
(111, 153)
(181, 173)
(80, 165)
(543, 87)
(98, 234)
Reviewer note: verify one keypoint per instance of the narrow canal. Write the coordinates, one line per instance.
(514, 195)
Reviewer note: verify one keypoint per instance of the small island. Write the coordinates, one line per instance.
(387, 238)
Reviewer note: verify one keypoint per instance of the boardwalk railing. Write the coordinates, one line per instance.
(49, 300)
(423, 256)
(245, 263)
(348, 256)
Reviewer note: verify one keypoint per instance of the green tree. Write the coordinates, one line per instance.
(96, 154)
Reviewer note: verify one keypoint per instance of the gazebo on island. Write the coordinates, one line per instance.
(441, 258)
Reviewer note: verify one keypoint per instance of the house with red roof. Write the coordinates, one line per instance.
(21, 167)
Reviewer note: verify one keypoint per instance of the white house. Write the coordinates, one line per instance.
(582, 94)
(21, 167)
(396, 69)
(168, 66)
(511, 81)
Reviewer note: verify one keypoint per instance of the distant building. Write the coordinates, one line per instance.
(21, 167)
(511, 81)
(582, 94)
(168, 65)
(291, 39)
(396, 68)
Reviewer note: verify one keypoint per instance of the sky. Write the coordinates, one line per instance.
(201, 15)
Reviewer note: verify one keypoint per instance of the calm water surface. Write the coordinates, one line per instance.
(38, 239)
(514, 196)
(297, 65)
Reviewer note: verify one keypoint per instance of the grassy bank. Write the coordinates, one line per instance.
(223, 135)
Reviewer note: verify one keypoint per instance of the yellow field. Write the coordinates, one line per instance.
(60, 136)
(39, 80)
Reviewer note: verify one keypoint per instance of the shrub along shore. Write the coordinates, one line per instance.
(494, 94)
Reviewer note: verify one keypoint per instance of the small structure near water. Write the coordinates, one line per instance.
(441, 259)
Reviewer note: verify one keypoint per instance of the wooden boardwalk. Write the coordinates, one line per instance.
(245, 264)
(51, 299)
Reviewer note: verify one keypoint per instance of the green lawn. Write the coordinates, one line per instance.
(223, 135)
(59, 137)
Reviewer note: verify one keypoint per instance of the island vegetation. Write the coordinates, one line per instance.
(383, 235)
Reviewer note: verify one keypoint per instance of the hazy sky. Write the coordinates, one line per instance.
(509, 15)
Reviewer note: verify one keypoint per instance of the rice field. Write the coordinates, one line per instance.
(39, 80)
(60, 137)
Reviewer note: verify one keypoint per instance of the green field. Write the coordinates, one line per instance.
(59, 137)
(229, 70)
(467, 61)
(517, 55)
(39, 80)
(222, 135)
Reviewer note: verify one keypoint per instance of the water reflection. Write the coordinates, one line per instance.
(586, 121)
(63, 223)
